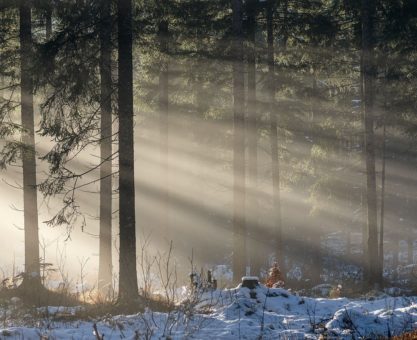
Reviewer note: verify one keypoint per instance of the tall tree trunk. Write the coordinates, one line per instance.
(314, 257)
(410, 238)
(363, 219)
(163, 124)
(273, 126)
(395, 254)
(2, 77)
(128, 281)
(410, 248)
(105, 261)
(256, 239)
(368, 13)
(30, 201)
(239, 228)
(382, 212)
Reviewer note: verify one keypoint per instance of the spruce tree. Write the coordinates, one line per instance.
(128, 282)
(32, 279)
(369, 74)
(105, 237)
(239, 227)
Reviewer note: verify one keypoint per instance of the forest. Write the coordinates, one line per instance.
(233, 169)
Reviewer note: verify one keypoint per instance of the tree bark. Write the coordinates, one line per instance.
(30, 202)
(395, 254)
(363, 220)
(105, 248)
(368, 65)
(239, 228)
(410, 249)
(273, 127)
(128, 282)
(382, 212)
(163, 124)
(256, 236)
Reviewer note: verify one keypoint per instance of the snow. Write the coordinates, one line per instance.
(238, 313)
(60, 310)
(250, 278)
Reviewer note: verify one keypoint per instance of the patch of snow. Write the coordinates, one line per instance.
(238, 313)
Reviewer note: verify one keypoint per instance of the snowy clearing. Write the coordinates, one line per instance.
(238, 314)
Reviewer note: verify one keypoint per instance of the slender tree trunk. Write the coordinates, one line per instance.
(164, 125)
(256, 240)
(239, 228)
(351, 199)
(396, 252)
(2, 77)
(128, 282)
(368, 13)
(273, 126)
(382, 212)
(410, 239)
(363, 182)
(314, 257)
(410, 248)
(30, 202)
(105, 261)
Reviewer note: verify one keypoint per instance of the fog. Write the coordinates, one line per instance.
(185, 196)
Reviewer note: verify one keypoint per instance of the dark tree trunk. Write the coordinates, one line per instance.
(273, 126)
(314, 257)
(163, 125)
(128, 282)
(256, 240)
(30, 202)
(382, 212)
(105, 261)
(363, 183)
(2, 76)
(410, 248)
(409, 230)
(368, 66)
(395, 254)
(239, 228)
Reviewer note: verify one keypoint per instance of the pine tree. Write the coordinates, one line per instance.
(239, 228)
(163, 39)
(128, 282)
(105, 260)
(369, 74)
(255, 241)
(30, 202)
(278, 246)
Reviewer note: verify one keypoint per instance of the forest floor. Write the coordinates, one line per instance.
(240, 313)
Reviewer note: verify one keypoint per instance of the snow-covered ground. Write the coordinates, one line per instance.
(236, 314)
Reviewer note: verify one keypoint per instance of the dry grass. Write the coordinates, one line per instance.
(406, 336)
(40, 296)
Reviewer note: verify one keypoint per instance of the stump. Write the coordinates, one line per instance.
(250, 282)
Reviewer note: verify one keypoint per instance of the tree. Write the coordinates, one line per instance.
(105, 261)
(382, 209)
(128, 282)
(369, 73)
(163, 103)
(274, 135)
(30, 201)
(239, 228)
(252, 123)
